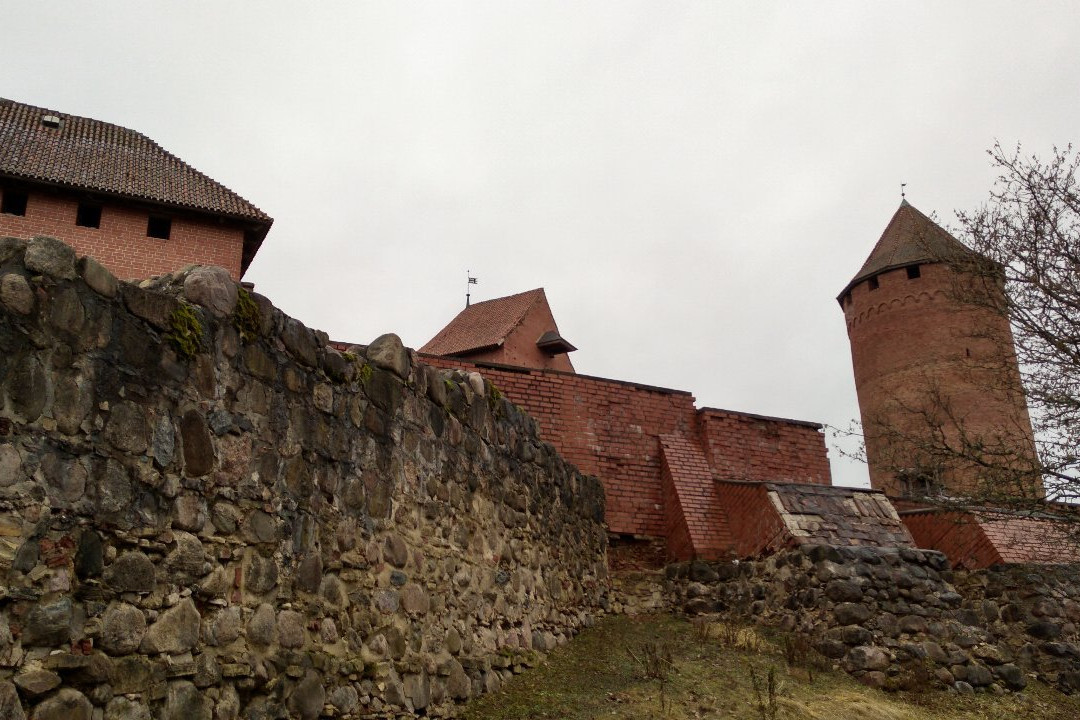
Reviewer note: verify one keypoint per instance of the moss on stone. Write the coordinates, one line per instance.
(365, 373)
(246, 316)
(185, 331)
(494, 398)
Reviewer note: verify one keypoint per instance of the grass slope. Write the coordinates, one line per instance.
(605, 673)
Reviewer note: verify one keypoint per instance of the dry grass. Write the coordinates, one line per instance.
(711, 677)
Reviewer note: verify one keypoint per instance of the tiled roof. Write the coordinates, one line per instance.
(101, 157)
(910, 238)
(483, 326)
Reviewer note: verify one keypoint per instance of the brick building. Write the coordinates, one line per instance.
(118, 196)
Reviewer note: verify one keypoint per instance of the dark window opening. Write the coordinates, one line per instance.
(13, 203)
(874, 283)
(88, 215)
(920, 482)
(159, 227)
(847, 299)
(913, 272)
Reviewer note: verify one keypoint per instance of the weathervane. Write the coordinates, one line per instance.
(902, 186)
(470, 281)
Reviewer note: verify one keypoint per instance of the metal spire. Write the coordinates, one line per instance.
(470, 280)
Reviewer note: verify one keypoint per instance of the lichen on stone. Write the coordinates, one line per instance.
(185, 331)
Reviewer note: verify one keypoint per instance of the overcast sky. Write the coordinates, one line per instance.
(692, 183)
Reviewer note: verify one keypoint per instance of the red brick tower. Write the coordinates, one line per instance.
(936, 377)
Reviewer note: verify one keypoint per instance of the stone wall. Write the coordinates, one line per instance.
(898, 617)
(207, 512)
(1033, 611)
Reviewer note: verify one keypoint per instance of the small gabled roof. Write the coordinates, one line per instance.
(63, 150)
(910, 238)
(485, 325)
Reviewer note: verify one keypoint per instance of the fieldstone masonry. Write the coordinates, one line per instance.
(206, 512)
(899, 618)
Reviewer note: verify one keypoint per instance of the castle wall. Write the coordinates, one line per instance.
(919, 353)
(957, 535)
(606, 428)
(250, 523)
(612, 429)
(981, 538)
(753, 521)
(121, 243)
(742, 446)
(898, 618)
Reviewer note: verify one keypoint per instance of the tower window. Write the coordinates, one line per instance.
(13, 202)
(874, 283)
(88, 215)
(847, 299)
(913, 272)
(920, 482)
(159, 227)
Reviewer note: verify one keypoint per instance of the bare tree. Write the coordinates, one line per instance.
(1026, 267)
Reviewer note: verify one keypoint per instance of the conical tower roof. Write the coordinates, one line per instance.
(910, 238)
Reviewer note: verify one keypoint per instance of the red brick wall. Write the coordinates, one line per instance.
(696, 521)
(121, 244)
(747, 447)
(754, 523)
(958, 535)
(606, 428)
(908, 337)
(676, 530)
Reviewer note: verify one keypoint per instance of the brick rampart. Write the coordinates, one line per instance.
(688, 479)
(742, 446)
(612, 429)
(606, 428)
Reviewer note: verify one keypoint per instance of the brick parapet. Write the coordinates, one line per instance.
(753, 521)
(748, 447)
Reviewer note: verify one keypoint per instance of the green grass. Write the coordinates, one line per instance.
(601, 674)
